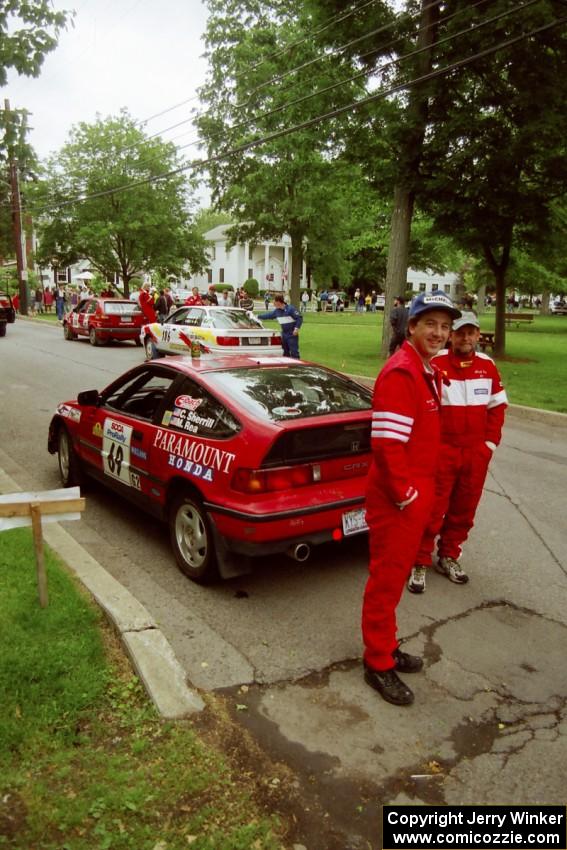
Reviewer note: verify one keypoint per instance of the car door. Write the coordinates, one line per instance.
(121, 431)
(177, 335)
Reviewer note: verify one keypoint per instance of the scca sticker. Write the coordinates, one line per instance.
(116, 450)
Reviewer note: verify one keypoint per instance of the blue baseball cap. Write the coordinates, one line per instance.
(427, 301)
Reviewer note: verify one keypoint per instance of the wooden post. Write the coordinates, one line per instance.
(35, 511)
(24, 509)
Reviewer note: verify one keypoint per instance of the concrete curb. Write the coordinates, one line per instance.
(151, 654)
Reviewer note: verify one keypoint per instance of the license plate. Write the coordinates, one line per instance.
(354, 522)
(254, 340)
(125, 320)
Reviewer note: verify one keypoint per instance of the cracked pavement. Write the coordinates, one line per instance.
(489, 722)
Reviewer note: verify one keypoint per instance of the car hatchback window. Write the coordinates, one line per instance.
(234, 319)
(193, 410)
(292, 392)
(120, 308)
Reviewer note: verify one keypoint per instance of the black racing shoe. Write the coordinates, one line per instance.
(389, 686)
(406, 663)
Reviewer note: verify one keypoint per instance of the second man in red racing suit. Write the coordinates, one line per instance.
(472, 416)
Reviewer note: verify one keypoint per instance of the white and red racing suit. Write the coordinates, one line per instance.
(405, 442)
(472, 415)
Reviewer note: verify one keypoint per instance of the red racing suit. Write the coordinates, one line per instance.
(146, 303)
(472, 416)
(405, 442)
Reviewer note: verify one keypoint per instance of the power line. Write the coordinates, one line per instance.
(282, 51)
(320, 58)
(336, 19)
(198, 165)
(380, 70)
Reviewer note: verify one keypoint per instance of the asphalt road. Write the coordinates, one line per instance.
(488, 725)
(261, 627)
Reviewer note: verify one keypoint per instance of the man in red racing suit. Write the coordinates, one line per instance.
(472, 415)
(405, 443)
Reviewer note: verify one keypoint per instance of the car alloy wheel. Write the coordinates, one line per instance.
(191, 539)
(92, 337)
(67, 332)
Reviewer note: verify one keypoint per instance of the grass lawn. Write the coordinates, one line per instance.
(86, 762)
(534, 369)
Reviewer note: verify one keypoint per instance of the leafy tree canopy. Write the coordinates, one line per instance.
(105, 199)
(288, 184)
(28, 31)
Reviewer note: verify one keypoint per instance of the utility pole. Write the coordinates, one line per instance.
(21, 262)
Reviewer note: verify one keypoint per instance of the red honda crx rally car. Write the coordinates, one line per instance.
(104, 319)
(242, 456)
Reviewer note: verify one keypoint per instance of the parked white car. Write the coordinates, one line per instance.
(220, 330)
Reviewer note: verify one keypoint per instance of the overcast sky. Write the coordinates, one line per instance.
(144, 55)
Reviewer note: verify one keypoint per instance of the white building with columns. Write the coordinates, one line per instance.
(268, 261)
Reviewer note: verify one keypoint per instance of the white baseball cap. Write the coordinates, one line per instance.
(466, 318)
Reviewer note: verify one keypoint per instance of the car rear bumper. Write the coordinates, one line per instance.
(120, 333)
(269, 533)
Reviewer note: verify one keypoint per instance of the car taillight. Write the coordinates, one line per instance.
(276, 340)
(271, 480)
(228, 340)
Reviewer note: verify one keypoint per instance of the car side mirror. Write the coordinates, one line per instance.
(89, 398)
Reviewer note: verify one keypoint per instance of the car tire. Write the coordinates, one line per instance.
(2, 328)
(149, 348)
(93, 337)
(69, 464)
(67, 332)
(138, 341)
(192, 540)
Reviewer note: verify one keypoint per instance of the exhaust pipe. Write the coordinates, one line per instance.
(299, 552)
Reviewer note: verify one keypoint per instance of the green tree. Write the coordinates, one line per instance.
(206, 219)
(495, 160)
(105, 199)
(481, 149)
(286, 184)
(28, 31)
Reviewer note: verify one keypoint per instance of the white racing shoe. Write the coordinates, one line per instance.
(452, 569)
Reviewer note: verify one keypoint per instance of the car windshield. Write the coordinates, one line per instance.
(120, 308)
(291, 392)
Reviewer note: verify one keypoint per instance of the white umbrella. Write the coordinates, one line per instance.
(85, 276)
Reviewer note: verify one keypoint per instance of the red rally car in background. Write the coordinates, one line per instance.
(242, 456)
(103, 319)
